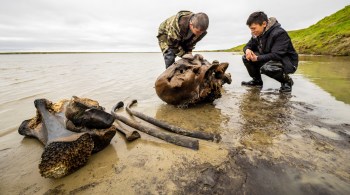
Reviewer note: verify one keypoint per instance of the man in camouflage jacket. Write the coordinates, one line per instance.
(178, 35)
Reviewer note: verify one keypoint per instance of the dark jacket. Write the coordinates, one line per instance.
(275, 44)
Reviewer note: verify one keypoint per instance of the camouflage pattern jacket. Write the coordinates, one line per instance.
(175, 33)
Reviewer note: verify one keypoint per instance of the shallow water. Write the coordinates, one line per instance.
(305, 135)
(332, 74)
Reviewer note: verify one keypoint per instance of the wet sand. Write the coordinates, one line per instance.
(272, 143)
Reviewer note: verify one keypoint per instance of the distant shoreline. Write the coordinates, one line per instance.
(96, 52)
(67, 52)
(222, 51)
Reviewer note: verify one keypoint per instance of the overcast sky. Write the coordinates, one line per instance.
(132, 25)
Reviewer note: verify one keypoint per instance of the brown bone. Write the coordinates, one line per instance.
(172, 128)
(129, 135)
(67, 147)
(65, 151)
(189, 82)
(168, 137)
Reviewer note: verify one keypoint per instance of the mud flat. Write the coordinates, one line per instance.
(271, 143)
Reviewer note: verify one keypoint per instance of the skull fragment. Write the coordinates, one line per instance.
(188, 82)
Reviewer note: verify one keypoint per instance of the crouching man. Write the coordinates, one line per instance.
(269, 51)
(178, 35)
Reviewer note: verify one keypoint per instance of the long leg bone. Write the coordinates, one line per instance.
(65, 151)
(68, 146)
(172, 128)
(171, 138)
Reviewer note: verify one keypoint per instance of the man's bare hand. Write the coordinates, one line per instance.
(254, 57)
(248, 54)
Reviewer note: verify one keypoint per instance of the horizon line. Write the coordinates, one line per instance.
(68, 52)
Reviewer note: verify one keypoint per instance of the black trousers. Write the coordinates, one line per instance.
(273, 69)
(169, 57)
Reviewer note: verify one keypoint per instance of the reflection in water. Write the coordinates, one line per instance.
(330, 73)
(265, 116)
(202, 117)
(306, 158)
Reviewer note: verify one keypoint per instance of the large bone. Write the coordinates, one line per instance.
(189, 82)
(172, 128)
(168, 137)
(84, 113)
(88, 113)
(51, 127)
(101, 137)
(65, 151)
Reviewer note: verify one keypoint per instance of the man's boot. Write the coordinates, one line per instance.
(287, 86)
(253, 83)
(275, 71)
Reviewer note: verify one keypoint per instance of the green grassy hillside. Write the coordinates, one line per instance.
(329, 36)
(238, 48)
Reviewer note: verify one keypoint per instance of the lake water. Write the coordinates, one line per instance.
(109, 78)
(322, 89)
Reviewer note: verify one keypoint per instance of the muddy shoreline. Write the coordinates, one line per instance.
(283, 157)
(271, 143)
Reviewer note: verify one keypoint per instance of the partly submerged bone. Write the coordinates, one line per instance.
(172, 128)
(192, 81)
(65, 151)
(168, 137)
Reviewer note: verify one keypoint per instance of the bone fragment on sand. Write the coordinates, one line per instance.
(170, 127)
(168, 137)
(129, 135)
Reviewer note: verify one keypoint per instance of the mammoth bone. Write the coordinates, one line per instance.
(71, 131)
(172, 128)
(166, 136)
(188, 82)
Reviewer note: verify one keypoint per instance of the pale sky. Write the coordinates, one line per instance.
(132, 25)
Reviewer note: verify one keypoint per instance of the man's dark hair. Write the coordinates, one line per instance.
(257, 18)
(200, 21)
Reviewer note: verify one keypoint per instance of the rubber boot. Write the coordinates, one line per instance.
(253, 83)
(287, 86)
